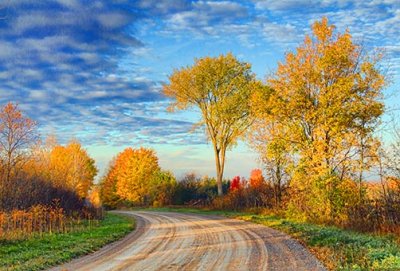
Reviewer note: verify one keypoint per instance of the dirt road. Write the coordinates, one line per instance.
(175, 241)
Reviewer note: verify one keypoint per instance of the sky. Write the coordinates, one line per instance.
(93, 70)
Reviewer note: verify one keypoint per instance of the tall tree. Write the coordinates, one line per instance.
(17, 134)
(220, 87)
(326, 94)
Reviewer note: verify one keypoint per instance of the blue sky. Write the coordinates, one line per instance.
(93, 70)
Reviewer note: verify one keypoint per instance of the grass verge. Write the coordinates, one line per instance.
(336, 248)
(52, 249)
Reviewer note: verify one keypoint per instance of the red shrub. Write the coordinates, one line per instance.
(235, 184)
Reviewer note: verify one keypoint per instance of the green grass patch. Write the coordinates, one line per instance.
(337, 249)
(53, 249)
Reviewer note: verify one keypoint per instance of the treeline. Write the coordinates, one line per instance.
(313, 124)
(134, 178)
(33, 173)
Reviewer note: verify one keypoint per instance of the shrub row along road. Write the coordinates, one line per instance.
(175, 241)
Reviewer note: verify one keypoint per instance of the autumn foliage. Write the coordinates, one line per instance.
(134, 177)
(73, 166)
(235, 184)
(17, 134)
(314, 130)
(108, 188)
(42, 186)
(313, 124)
(317, 119)
(256, 180)
(134, 172)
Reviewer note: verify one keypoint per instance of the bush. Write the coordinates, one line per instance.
(243, 194)
(193, 190)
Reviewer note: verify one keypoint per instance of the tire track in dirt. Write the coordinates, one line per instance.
(176, 241)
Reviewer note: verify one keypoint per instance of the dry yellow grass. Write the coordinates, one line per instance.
(39, 219)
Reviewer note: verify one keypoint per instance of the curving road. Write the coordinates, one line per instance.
(175, 241)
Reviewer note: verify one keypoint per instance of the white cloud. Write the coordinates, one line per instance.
(207, 16)
(112, 19)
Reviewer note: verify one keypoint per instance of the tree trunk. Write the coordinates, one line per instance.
(219, 164)
(360, 177)
(8, 176)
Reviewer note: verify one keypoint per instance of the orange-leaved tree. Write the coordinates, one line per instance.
(220, 87)
(256, 179)
(17, 134)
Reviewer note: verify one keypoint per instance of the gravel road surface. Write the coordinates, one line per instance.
(176, 241)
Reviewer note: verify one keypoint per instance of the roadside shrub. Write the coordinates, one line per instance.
(254, 194)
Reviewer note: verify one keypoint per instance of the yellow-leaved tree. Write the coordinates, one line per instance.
(135, 170)
(71, 167)
(220, 87)
(325, 96)
(108, 187)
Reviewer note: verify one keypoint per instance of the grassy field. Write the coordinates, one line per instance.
(52, 249)
(336, 248)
